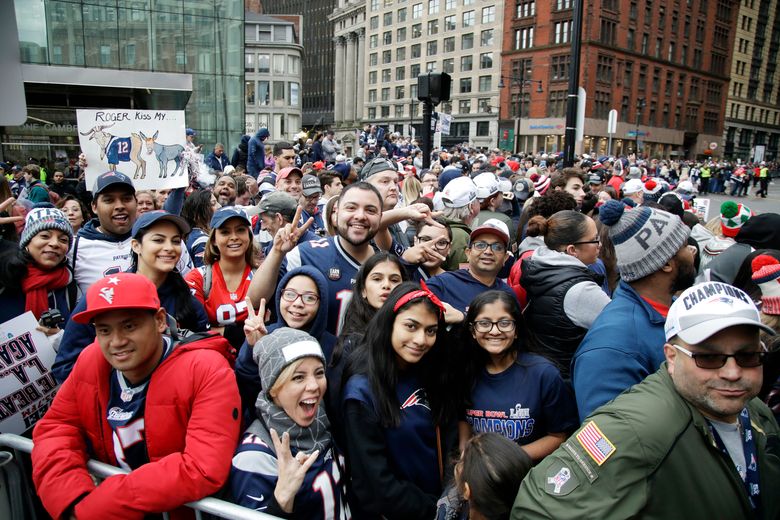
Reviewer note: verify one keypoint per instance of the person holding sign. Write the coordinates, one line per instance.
(166, 411)
(37, 277)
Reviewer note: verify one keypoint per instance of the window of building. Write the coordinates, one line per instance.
(467, 41)
(669, 81)
(610, 5)
(693, 89)
(385, 110)
(604, 72)
(556, 106)
(374, 22)
(433, 6)
(295, 90)
(431, 48)
(642, 77)
(386, 94)
(450, 4)
(249, 63)
(279, 91)
(483, 105)
(399, 110)
(489, 14)
(525, 8)
(684, 55)
(372, 77)
(665, 116)
(387, 38)
(264, 63)
(670, 52)
(697, 57)
(374, 5)
(464, 106)
(718, 64)
(603, 104)
(468, 19)
(448, 65)
(416, 50)
(486, 60)
(414, 70)
(433, 27)
(486, 38)
(416, 30)
(401, 15)
(448, 44)
(399, 92)
(608, 31)
(559, 67)
(465, 85)
(562, 4)
(400, 54)
(372, 112)
(483, 128)
(278, 63)
(468, 2)
(386, 57)
(400, 35)
(656, 79)
(485, 83)
(430, 66)
(400, 73)
(387, 19)
(373, 59)
(249, 92)
(562, 32)
(524, 38)
(449, 23)
(645, 40)
(373, 41)
(659, 43)
(466, 63)
(624, 109)
(417, 10)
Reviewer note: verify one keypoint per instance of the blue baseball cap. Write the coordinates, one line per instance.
(108, 179)
(226, 213)
(151, 217)
(191, 132)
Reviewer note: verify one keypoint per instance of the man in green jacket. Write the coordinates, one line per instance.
(691, 441)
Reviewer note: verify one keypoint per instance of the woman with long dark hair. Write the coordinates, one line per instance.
(198, 209)
(156, 246)
(399, 402)
(513, 392)
(379, 275)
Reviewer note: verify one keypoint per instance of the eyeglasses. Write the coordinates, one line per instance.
(439, 245)
(597, 241)
(307, 298)
(485, 326)
(750, 359)
(496, 247)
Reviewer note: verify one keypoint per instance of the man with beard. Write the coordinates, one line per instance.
(226, 190)
(338, 258)
(623, 346)
(690, 441)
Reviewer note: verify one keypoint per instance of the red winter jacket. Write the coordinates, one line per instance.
(192, 428)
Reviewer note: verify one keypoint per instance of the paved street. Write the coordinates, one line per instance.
(758, 205)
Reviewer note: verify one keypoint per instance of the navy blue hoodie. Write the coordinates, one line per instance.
(247, 372)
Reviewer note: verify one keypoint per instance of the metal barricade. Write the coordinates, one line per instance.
(101, 470)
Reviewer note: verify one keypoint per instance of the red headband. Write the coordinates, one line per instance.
(420, 293)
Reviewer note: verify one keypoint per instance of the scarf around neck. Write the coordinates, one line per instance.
(306, 439)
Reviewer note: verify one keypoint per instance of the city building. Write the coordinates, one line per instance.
(318, 58)
(272, 68)
(753, 106)
(662, 65)
(139, 54)
(349, 20)
(459, 37)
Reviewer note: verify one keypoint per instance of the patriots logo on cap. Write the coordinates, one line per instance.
(722, 299)
(107, 293)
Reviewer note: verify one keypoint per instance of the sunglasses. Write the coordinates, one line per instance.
(751, 359)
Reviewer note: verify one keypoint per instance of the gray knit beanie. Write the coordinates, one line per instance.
(41, 219)
(280, 348)
(644, 238)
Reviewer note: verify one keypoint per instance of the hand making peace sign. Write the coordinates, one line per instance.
(254, 325)
(287, 237)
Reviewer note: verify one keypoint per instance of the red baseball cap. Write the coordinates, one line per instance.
(119, 292)
(286, 172)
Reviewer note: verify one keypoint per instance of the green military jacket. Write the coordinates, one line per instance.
(460, 239)
(650, 454)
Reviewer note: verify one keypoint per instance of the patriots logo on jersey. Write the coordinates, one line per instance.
(416, 398)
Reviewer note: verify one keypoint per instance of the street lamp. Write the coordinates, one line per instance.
(640, 104)
(522, 82)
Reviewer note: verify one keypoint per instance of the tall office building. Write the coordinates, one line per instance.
(753, 107)
(143, 54)
(318, 58)
(349, 30)
(459, 37)
(272, 64)
(663, 65)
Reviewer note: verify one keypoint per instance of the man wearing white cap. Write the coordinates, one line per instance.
(633, 189)
(490, 199)
(487, 252)
(459, 197)
(690, 441)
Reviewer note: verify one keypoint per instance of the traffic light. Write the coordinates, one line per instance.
(434, 87)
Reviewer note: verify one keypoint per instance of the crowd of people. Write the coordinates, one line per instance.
(316, 336)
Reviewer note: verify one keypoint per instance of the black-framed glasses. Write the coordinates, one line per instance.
(750, 359)
(308, 298)
(485, 326)
(496, 247)
(439, 245)
(597, 241)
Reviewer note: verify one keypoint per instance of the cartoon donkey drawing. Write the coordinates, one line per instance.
(164, 153)
(118, 149)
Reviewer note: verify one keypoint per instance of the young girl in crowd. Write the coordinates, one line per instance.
(35, 275)
(397, 401)
(379, 275)
(229, 261)
(299, 298)
(157, 243)
(76, 211)
(286, 464)
(513, 392)
(146, 201)
(565, 297)
(487, 478)
(198, 210)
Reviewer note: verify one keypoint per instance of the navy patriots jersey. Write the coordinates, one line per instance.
(254, 474)
(125, 415)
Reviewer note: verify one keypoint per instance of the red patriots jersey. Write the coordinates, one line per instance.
(223, 307)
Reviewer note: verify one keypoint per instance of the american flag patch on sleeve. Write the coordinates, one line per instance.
(595, 443)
